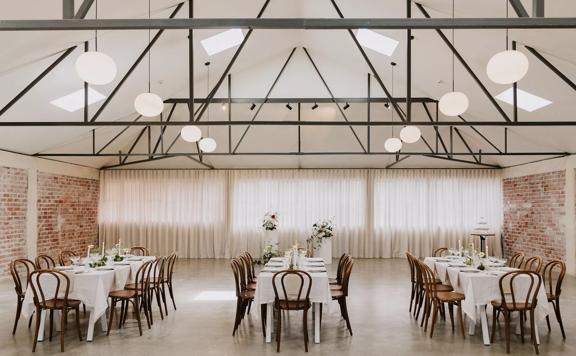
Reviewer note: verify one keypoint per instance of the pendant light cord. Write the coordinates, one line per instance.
(150, 49)
(207, 91)
(453, 42)
(392, 111)
(96, 30)
(506, 1)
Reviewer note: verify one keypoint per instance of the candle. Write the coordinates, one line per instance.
(89, 248)
(103, 247)
(486, 250)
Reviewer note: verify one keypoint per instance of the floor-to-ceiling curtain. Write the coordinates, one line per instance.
(377, 213)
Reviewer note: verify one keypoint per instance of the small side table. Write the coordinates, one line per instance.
(483, 236)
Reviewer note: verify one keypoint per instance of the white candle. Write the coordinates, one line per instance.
(487, 250)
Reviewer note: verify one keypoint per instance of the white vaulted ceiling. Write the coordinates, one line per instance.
(26, 54)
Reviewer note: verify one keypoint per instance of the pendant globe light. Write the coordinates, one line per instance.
(509, 66)
(410, 134)
(191, 133)
(149, 104)
(392, 144)
(95, 67)
(207, 144)
(453, 103)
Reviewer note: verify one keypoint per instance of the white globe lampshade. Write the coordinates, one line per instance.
(453, 104)
(507, 67)
(410, 134)
(148, 104)
(393, 144)
(191, 133)
(207, 144)
(96, 68)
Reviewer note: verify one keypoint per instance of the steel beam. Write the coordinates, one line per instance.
(332, 96)
(67, 9)
(466, 66)
(481, 135)
(307, 100)
(438, 136)
(551, 67)
(230, 64)
(519, 8)
(289, 24)
(163, 129)
(537, 8)
(133, 67)
(467, 145)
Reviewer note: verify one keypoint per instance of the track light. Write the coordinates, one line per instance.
(387, 106)
(288, 106)
(346, 106)
(253, 106)
(315, 106)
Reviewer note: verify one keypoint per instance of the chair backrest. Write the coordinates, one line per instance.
(552, 277)
(47, 285)
(64, 257)
(142, 280)
(533, 264)
(45, 262)
(341, 262)
(240, 282)
(346, 273)
(139, 251)
(516, 260)
(297, 280)
(441, 252)
(20, 270)
(248, 266)
(519, 289)
(251, 260)
(411, 262)
(170, 266)
(428, 278)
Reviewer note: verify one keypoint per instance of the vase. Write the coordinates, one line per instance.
(271, 238)
(324, 251)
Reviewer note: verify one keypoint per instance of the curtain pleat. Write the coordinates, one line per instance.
(377, 213)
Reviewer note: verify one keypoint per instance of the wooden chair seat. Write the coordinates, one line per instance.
(132, 286)
(333, 280)
(335, 287)
(449, 297)
(442, 288)
(124, 294)
(247, 294)
(520, 306)
(551, 297)
(337, 293)
(293, 304)
(59, 304)
(251, 285)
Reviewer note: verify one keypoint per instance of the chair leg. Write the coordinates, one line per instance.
(111, 316)
(143, 303)
(157, 292)
(559, 316)
(451, 312)
(522, 317)
(425, 311)
(507, 330)
(84, 309)
(30, 320)
(77, 314)
(237, 319)
(305, 320)
(263, 314)
(548, 323)
(121, 317)
(493, 324)
(51, 319)
(435, 308)
(346, 317)
(18, 312)
(163, 295)
(461, 319)
(278, 329)
(37, 329)
(419, 301)
(137, 312)
(171, 295)
(249, 307)
(412, 292)
(62, 328)
(533, 332)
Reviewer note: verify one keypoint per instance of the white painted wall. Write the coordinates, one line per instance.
(34, 165)
(567, 164)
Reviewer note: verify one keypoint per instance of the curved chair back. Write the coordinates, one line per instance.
(533, 264)
(239, 279)
(45, 262)
(251, 264)
(552, 277)
(247, 265)
(49, 285)
(139, 251)
(428, 278)
(170, 266)
(519, 290)
(517, 260)
(441, 252)
(346, 272)
(64, 257)
(20, 270)
(411, 262)
(341, 263)
(295, 288)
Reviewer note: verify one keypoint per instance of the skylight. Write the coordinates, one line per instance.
(526, 101)
(376, 41)
(223, 41)
(75, 101)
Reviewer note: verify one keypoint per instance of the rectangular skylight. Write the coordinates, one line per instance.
(376, 41)
(526, 101)
(223, 41)
(75, 101)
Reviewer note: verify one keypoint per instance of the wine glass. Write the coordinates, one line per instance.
(74, 260)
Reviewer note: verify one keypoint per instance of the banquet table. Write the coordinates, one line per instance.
(91, 287)
(480, 288)
(319, 292)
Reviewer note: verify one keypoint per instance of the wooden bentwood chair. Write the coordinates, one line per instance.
(437, 297)
(512, 301)
(533, 264)
(340, 291)
(139, 251)
(552, 277)
(64, 257)
(301, 282)
(44, 262)
(441, 252)
(516, 260)
(20, 270)
(48, 298)
(244, 296)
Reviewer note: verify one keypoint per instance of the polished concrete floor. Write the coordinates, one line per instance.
(378, 307)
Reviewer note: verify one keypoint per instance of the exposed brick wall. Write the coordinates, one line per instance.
(67, 213)
(13, 203)
(534, 209)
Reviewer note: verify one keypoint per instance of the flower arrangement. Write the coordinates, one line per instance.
(321, 230)
(268, 253)
(270, 221)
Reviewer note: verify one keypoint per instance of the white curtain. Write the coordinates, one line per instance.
(377, 213)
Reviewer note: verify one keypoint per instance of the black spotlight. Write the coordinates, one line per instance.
(253, 106)
(315, 106)
(288, 106)
(346, 106)
(387, 106)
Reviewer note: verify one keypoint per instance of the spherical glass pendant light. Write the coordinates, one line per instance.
(507, 67)
(207, 144)
(96, 68)
(148, 104)
(393, 144)
(410, 134)
(191, 133)
(453, 104)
